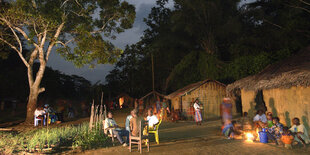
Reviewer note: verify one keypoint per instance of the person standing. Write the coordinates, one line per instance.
(197, 108)
(226, 108)
(158, 106)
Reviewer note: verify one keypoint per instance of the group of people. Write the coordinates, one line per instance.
(279, 133)
(41, 114)
(132, 125)
(275, 130)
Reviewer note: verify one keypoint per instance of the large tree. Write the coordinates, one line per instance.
(80, 28)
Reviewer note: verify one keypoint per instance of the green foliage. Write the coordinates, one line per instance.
(85, 24)
(69, 136)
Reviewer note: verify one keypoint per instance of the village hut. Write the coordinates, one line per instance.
(210, 94)
(282, 88)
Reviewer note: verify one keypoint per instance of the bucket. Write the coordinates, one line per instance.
(263, 138)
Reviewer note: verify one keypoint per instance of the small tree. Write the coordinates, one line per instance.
(78, 26)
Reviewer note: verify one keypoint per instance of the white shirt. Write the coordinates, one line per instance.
(152, 120)
(38, 112)
(196, 106)
(127, 123)
(109, 123)
(301, 128)
(261, 118)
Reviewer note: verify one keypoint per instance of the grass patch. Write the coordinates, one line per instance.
(73, 137)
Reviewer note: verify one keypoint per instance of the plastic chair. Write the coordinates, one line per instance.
(155, 131)
(37, 119)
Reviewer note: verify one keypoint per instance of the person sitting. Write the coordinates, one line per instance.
(134, 123)
(260, 120)
(300, 132)
(269, 120)
(128, 118)
(153, 120)
(287, 138)
(229, 129)
(39, 114)
(110, 123)
(51, 112)
(274, 133)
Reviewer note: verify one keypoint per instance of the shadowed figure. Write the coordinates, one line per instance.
(287, 118)
(252, 110)
(259, 100)
(305, 122)
(273, 109)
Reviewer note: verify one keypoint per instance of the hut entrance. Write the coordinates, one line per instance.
(259, 100)
(237, 99)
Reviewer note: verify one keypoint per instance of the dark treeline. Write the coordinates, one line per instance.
(14, 85)
(216, 39)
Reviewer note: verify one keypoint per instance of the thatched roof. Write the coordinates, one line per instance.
(293, 71)
(190, 88)
(152, 93)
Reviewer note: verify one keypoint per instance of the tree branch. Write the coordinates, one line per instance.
(15, 48)
(41, 90)
(104, 25)
(298, 7)
(304, 2)
(49, 49)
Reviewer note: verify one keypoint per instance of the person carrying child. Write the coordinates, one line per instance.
(300, 132)
(260, 120)
(274, 133)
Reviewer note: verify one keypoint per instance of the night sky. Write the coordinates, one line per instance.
(130, 36)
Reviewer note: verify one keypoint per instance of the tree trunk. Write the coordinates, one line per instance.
(32, 103)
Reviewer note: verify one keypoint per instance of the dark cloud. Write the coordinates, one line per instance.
(131, 36)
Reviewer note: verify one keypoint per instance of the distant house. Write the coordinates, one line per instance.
(209, 92)
(282, 88)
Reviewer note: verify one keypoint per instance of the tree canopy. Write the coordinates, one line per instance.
(217, 39)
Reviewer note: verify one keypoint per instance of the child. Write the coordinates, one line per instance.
(269, 120)
(229, 129)
(274, 133)
(300, 132)
(287, 138)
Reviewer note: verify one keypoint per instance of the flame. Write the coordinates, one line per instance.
(249, 137)
(121, 102)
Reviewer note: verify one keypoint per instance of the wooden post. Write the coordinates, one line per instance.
(153, 80)
(91, 116)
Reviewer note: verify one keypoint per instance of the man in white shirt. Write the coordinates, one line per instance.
(260, 120)
(300, 132)
(110, 123)
(153, 120)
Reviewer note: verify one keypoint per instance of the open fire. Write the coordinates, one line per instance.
(249, 137)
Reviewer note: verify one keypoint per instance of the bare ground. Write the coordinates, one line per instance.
(187, 138)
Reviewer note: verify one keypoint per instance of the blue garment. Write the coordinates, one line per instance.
(127, 123)
(227, 128)
(157, 106)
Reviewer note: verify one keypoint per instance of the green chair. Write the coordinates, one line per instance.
(155, 131)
